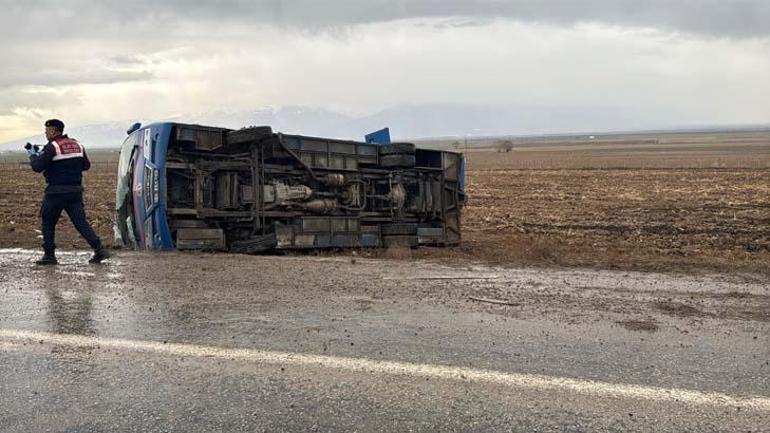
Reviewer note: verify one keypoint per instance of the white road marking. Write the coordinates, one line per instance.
(524, 381)
(9, 346)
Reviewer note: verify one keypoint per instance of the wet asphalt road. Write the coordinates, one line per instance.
(175, 342)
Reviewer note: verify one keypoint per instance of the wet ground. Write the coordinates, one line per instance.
(183, 342)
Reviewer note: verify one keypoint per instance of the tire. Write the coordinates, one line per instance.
(248, 135)
(399, 241)
(397, 149)
(398, 161)
(399, 229)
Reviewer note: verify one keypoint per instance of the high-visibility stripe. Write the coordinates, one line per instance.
(66, 148)
(70, 156)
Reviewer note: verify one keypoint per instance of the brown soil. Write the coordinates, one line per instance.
(21, 192)
(677, 308)
(626, 218)
(639, 325)
(600, 209)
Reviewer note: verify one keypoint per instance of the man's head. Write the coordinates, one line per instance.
(53, 128)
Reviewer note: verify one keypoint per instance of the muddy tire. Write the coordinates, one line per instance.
(248, 135)
(399, 241)
(397, 161)
(400, 229)
(397, 149)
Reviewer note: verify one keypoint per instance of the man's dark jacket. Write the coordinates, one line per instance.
(62, 161)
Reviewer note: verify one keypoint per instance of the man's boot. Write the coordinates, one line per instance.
(47, 260)
(100, 254)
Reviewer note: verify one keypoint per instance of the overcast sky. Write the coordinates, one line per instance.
(670, 62)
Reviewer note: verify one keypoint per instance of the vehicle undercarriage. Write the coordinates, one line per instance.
(252, 190)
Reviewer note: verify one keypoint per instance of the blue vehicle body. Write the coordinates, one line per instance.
(250, 190)
(378, 137)
(145, 154)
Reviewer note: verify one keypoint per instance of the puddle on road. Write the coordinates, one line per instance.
(132, 295)
(199, 296)
(69, 312)
(63, 299)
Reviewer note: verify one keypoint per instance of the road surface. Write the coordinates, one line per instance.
(198, 342)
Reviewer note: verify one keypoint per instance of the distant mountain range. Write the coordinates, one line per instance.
(405, 122)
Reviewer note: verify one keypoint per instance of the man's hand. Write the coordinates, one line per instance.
(31, 149)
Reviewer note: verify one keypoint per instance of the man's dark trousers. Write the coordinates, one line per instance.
(72, 203)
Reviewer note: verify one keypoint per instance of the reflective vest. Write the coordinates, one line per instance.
(66, 148)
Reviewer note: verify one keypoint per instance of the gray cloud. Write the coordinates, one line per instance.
(31, 102)
(58, 77)
(708, 64)
(721, 18)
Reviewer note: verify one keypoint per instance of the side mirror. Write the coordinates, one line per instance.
(133, 128)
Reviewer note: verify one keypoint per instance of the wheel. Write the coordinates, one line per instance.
(399, 241)
(398, 161)
(407, 229)
(248, 135)
(397, 149)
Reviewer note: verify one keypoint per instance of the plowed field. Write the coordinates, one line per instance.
(653, 208)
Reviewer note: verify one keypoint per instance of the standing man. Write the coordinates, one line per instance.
(63, 161)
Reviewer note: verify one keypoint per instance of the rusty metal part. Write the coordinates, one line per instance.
(320, 206)
(334, 179)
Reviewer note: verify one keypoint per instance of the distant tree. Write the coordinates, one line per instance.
(456, 145)
(504, 146)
